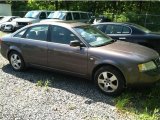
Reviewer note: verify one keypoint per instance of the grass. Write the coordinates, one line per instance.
(42, 83)
(144, 103)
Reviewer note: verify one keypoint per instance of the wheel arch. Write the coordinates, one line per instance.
(107, 64)
(13, 49)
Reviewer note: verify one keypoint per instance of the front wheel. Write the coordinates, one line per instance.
(109, 80)
(16, 61)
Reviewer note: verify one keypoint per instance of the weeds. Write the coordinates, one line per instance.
(45, 84)
(145, 104)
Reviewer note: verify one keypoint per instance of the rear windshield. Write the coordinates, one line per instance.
(142, 28)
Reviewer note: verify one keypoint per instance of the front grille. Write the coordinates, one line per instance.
(22, 23)
(157, 61)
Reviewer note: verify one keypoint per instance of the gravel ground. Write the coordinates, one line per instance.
(66, 98)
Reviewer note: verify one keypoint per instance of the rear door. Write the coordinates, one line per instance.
(64, 57)
(34, 45)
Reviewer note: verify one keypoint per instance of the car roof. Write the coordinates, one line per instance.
(71, 11)
(117, 23)
(63, 23)
(41, 11)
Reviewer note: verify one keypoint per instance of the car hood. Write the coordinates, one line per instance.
(7, 23)
(130, 50)
(2, 22)
(24, 20)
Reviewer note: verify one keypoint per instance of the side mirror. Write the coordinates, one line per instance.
(75, 43)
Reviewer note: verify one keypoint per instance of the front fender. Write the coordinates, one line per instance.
(124, 69)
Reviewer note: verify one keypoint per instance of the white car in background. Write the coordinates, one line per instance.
(78, 16)
(7, 24)
(31, 17)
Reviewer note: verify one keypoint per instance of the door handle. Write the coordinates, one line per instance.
(122, 38)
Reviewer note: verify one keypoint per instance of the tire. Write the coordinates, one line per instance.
(16, 61)
(109, 80)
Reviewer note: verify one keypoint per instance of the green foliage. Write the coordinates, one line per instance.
(145, 103)
(40, 5)
(39, 83)
(45, 84)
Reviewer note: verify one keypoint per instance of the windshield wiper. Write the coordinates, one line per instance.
(29, 17)
(112, 41)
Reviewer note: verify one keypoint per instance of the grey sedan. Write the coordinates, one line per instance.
(82, 50)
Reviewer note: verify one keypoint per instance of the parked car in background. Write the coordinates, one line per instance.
(9, 26)
(31, 17)
(100, 19)
(78, 16)
(6, 19)
(131, 33)
(82, 50)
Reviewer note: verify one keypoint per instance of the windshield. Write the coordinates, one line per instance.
(50, 15)
(59, 15)
(5, 19)
(93, 36)
(32, 14)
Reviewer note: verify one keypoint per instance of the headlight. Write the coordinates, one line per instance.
(147, 66)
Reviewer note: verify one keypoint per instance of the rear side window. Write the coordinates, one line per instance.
(76, 16)
(37, 33)
(84, 15)
(20, 34)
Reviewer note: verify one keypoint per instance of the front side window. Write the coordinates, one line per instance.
(93, 36)
(84, 15)
(37, 33)
(62, 35)
(69, 16)
(42, 15)
(20, 34)
(76, 16)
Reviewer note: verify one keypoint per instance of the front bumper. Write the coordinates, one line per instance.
(151, 76)
(145, 78)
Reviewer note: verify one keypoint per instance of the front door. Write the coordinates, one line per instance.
(64, 57)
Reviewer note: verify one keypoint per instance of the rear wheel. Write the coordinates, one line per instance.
(109, 80)
(16, 61)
